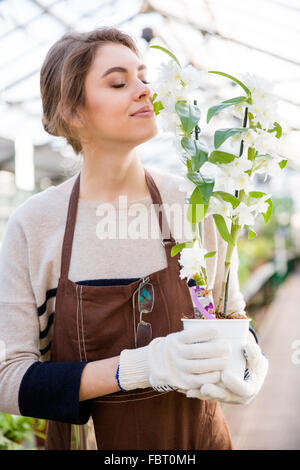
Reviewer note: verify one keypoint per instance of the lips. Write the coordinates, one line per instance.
(144, 109)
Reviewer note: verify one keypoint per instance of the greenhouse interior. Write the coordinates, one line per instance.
(258, 37)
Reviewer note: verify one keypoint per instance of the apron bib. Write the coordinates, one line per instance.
(96, 322)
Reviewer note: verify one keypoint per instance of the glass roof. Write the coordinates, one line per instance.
(256, 36)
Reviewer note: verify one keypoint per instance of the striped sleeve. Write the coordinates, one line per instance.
(27, 385)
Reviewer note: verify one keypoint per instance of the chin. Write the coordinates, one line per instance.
(149, 135)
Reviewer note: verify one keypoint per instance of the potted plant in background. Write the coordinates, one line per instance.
(219, 183)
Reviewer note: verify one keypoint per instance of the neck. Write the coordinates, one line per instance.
(106, 176)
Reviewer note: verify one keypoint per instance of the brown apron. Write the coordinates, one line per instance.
(96, 322)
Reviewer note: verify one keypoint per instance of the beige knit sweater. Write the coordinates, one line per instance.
(30, 261)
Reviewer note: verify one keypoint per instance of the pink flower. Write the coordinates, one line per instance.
(209, 308)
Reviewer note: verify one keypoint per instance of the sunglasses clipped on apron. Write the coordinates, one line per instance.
(97, 322)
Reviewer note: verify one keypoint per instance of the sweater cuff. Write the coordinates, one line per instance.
(50, 390)
(133, 369)
(254, 333)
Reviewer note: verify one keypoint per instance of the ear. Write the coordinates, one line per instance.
(74, 118)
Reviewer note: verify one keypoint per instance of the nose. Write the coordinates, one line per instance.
(144, 92)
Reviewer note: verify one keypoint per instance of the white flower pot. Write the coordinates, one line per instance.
(235, 331)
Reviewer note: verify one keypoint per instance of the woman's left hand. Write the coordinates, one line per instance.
(233, 389)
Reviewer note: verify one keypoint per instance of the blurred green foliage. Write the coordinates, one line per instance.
(252, 253)
(261, 249)
(18, 432)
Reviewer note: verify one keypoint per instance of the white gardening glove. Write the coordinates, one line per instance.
(236, 390)
(175, 361)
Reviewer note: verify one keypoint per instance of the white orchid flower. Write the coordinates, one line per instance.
(239, 165)
(169, 119)
(264, 101)
(234, 180)
(192, 77)
(170, 73)
(218, 206)
(244, 213)
(211, 170)
(170, 122)
(265, 142)
(241, 181)
(187, 186)
(268, 165)
(261, 206)
(192, 260)
(262, 140)
(174, 76)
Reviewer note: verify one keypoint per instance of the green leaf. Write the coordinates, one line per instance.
(277, 128)
(224, 104)
(268, 214)
(217, 156)
(223, 134)
(189, 115)
(222, 228)
(204, 184)
(198, 160)
(197, 209)
(236, 80)
(234, 201)
(258, 195)
(167, 52)
(157, 106)
(252, 153)
(210, 254)
(251, 234)
(179, 247)
(282, 164)
(197, 150)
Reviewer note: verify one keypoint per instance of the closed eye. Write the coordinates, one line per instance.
(123, 84)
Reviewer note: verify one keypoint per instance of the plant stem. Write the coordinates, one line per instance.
(197, 227)
(197, 132)
(234, 233)
(196, 236)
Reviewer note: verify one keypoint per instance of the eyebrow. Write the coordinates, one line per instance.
(121, 69)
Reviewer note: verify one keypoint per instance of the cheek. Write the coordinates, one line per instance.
(108, 108)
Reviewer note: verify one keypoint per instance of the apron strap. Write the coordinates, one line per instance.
(69, 230)
(72, 214)
(157, 201)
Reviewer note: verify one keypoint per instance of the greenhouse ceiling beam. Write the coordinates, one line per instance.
(284, 5)
(42, 43)
(188, 22)
(25, 77)
(24, 25)
(84, 14)
(192, 62)
(19, 80)
(47, 10)
(34, 18)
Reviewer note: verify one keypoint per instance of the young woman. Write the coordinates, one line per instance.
(79, 345)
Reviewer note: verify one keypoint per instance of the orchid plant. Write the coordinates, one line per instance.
(219, 183)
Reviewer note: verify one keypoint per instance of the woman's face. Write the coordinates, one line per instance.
(107, 110)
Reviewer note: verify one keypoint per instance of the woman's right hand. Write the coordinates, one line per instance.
(183, 360)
